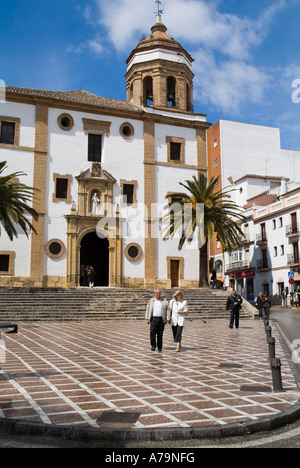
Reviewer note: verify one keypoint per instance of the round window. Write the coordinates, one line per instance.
(126, 130)
(65, 122)
(133, 252)
(55, 248)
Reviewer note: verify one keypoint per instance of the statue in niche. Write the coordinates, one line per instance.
(95, 204)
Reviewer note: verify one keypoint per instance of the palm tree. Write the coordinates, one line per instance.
(205, 209)
(14, 208)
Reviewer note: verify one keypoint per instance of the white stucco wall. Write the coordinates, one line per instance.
(250, 149)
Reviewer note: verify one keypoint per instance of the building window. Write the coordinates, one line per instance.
(133, 252)
(215, 143)
(175, 149)
(7, 260)
(65, 122)
(275, 251)
(127, 131)
(216, 162)
(62, 185)
(4, 263)
(128, 192)
(280, 222)
(282, 249)
(61, 188)
(274, 224)
(94, 148)
(55, 249)
(9, 130)
(8, 133)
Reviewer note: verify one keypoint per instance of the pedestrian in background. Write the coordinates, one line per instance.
(234, 304)
(284, 298)
(91, 274)
(267, 305)
(259, 303)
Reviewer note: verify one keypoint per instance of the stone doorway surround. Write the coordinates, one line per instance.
(82, 222)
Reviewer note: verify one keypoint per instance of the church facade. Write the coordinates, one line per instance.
(103, 169)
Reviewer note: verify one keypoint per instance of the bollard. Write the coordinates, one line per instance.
(271, 342)
(276, 374)
(264, 315)
(266, 323)
(268, 332)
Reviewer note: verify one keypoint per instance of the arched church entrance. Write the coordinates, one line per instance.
(94, 251)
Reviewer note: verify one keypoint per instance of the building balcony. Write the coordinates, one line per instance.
(261, 238)
(293, 259)
(238, 266)
(292, 230)
(262, 265)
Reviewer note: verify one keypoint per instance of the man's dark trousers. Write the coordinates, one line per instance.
(157, 327)
(234, 317)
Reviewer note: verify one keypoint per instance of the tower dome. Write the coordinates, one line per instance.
(159, 72)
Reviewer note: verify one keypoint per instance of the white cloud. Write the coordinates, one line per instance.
(125, 20)
(93, 45)
(228, 84)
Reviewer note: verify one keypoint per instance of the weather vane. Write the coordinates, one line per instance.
(159, 11)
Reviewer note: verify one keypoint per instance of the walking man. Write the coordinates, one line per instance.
(156, 315)
(234, 304)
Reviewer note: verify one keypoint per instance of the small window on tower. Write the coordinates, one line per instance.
(175, 151)
(171, 92)
(148, 91)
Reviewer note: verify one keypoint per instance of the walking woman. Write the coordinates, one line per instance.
(178, 309)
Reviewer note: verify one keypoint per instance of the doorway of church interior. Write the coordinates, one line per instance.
(95, 252)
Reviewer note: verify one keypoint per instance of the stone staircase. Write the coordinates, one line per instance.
(84, 304)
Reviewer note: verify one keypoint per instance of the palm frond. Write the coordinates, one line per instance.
(15, 204)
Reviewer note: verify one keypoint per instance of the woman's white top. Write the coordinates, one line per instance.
(175, 307)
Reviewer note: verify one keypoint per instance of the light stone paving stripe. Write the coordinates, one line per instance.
(30, 400)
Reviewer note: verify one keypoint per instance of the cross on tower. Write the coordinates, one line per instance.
(159, 11)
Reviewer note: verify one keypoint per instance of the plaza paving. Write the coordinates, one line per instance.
(103, 374)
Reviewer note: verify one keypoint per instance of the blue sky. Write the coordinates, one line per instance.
(247, 54)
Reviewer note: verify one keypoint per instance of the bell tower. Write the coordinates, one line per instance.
(159, 72)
